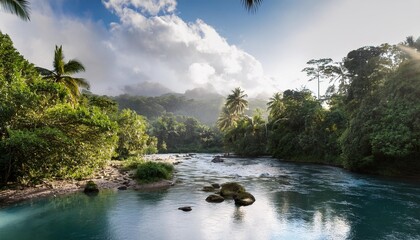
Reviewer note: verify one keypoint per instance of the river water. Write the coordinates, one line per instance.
(293, 201)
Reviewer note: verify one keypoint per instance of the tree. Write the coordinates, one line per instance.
(236, 102)
(320, 69)
(275, 106)
(226, 120)
(62, 73)
(17, 7)
(132, 137)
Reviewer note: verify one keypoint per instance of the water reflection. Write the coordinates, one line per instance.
(238, 214)
(293, 201)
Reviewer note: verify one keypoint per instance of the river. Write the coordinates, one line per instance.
(293, 201)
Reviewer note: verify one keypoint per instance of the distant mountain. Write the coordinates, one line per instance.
(202, 94)
(147, 89)
(203, 104)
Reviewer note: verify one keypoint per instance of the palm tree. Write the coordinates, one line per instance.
(275, 105)
(251, 5)
(226, 120)
(236, 102)
(62, 73)
(17, 7)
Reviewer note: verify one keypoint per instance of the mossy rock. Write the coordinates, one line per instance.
(215, 198)
(91, 187)
(244, 199)
(229, 190)
(208, 189)
(215, 185)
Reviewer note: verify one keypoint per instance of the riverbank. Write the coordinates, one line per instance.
(112, 177)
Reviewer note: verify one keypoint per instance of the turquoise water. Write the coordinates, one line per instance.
(294, 201)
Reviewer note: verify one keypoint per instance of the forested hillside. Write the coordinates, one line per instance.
(198, 103)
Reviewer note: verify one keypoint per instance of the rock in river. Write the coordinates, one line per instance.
(231, 189)
(185, 209)
(215, 198)
(217, 159)
(244, 199)
(208, 189)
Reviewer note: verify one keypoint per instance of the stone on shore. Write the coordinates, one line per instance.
(91, 187)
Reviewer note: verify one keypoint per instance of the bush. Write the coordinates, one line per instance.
(153, 171)
(132, 162)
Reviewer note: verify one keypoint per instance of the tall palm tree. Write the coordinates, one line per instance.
(62, 73)
(251, 5)
(236, 102)
(17, 7)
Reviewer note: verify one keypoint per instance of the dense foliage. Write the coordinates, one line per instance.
(242, 134)
(185, 134)
(369, 122)
(153, 171)
(47, 130)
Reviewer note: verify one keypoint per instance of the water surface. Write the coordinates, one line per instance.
(294, 201)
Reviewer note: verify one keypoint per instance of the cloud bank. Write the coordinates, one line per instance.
(150, 43)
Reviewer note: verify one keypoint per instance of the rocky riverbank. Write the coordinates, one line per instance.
(111, 177)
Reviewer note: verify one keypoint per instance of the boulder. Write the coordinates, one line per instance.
(264, 175)
(122, 188)
(208, 189)
(243, 199)
(185, 209)
(215, 185)
(91, 187)
(217, 159)
(215, 198)
(231, 189)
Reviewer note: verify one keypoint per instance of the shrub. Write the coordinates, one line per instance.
(153, 171)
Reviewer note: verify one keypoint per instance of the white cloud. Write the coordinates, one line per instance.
(331, 29)
(151, 43)
(148, 43)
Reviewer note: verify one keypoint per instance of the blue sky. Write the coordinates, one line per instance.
(213, 44)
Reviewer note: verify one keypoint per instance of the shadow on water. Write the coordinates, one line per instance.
(52, 218)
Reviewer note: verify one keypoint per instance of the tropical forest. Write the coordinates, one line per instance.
(161, 119)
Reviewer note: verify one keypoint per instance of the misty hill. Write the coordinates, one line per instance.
(200, 103)
(148, 89)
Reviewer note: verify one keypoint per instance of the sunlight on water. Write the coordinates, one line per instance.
(294, 201)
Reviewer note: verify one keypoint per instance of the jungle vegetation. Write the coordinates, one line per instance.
(368, 120)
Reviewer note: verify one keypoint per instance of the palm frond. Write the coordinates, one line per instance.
(73, 66)
(58, 63)
(72, 87)
(18, 7)
(81, 82)
(251, 5)
(44, 72)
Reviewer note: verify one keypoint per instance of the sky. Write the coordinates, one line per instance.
(154, 46)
